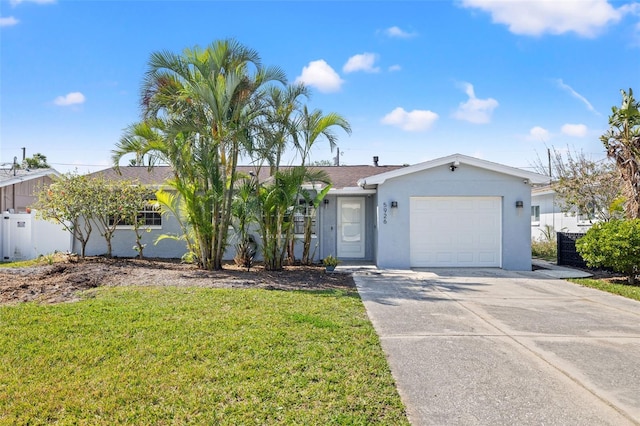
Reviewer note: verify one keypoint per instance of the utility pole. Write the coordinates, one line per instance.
(24, 153)
(336, 160)
(549, 157)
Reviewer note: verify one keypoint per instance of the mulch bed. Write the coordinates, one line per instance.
(63, 280)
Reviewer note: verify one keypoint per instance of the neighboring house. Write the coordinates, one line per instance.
(548, 217)
(455, 211)
(18, 188)
(22, 236)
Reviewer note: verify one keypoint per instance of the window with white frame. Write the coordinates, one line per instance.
(303, 213)
(149, 216)
(535, 214)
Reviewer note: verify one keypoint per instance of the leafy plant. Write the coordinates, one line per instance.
(70, 201)
(330, 260)
(614, 244)
(545, 247)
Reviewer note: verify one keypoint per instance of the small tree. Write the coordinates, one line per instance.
(309, 220)
(591, 187)
(614, 244)
(133, 199)
(244, 210)
(276, 201)
(69, 201)
(119, 203)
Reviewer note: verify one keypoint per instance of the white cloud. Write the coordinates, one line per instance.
(397, 32)
(538, 133)
(8, 21)
(475, 110)
(17, 2)
(536, 17)
(320, 75)
(576, 95)
(73, 98)
(576, 130)
(413, 121)
(361, 62)
(394, 68)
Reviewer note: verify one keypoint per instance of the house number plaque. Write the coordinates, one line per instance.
(384, 213)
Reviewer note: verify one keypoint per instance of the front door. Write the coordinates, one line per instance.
(351, 227)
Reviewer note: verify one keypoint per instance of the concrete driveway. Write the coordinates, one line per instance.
(490, 347)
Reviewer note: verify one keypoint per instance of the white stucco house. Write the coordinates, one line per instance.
(547, 215)
(454, 211)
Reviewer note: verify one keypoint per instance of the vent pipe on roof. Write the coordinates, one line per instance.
(375, 160)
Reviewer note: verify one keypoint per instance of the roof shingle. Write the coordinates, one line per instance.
(341, 176)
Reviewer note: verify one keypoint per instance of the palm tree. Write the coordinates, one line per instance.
(279, 127)
(622, 142)
(313, 125)
(245, 209)
(209, 101)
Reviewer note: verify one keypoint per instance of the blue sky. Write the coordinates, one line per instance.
(417, 80)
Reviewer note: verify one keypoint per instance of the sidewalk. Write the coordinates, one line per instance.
(554, 271)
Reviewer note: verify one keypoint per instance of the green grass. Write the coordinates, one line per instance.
(626, 290)
(196, 356)
(24, 263)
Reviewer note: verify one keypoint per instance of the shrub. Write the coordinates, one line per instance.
(615, 245)
(544, 249)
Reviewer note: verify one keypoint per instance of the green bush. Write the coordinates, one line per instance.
(544, 249)
(615, 245)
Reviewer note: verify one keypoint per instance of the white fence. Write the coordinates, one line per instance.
(24, 237)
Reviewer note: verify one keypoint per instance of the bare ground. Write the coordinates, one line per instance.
(63, 280)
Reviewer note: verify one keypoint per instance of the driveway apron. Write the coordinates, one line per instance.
(494, 347)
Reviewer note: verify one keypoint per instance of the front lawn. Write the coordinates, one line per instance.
(181, 355)
(615, 287)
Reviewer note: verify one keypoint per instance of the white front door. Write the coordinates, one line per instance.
(350, 227)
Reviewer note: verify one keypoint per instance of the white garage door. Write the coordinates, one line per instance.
(456, 231)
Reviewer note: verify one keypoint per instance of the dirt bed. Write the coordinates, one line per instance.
(62, 281)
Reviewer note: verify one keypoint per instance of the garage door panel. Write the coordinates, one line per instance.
(455, 231)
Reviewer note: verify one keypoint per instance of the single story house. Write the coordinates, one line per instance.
(18, 187)
(548, 217)
(454, 211)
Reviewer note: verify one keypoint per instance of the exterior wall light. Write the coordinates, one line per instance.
(394, 204)
(519, 204)
(326, 201)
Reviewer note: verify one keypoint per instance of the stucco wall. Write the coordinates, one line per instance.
(394, 235)
(328, 223)
(124, 240)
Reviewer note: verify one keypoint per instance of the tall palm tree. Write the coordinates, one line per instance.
(209, 102)
(314, 125)
(279, 127)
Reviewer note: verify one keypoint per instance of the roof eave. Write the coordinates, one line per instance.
(533, 178)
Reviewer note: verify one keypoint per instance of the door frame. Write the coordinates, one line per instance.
(362, 202)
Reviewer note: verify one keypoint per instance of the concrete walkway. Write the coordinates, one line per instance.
(493, 347)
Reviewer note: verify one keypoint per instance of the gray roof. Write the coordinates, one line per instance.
(341, 176)
(11, 177)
